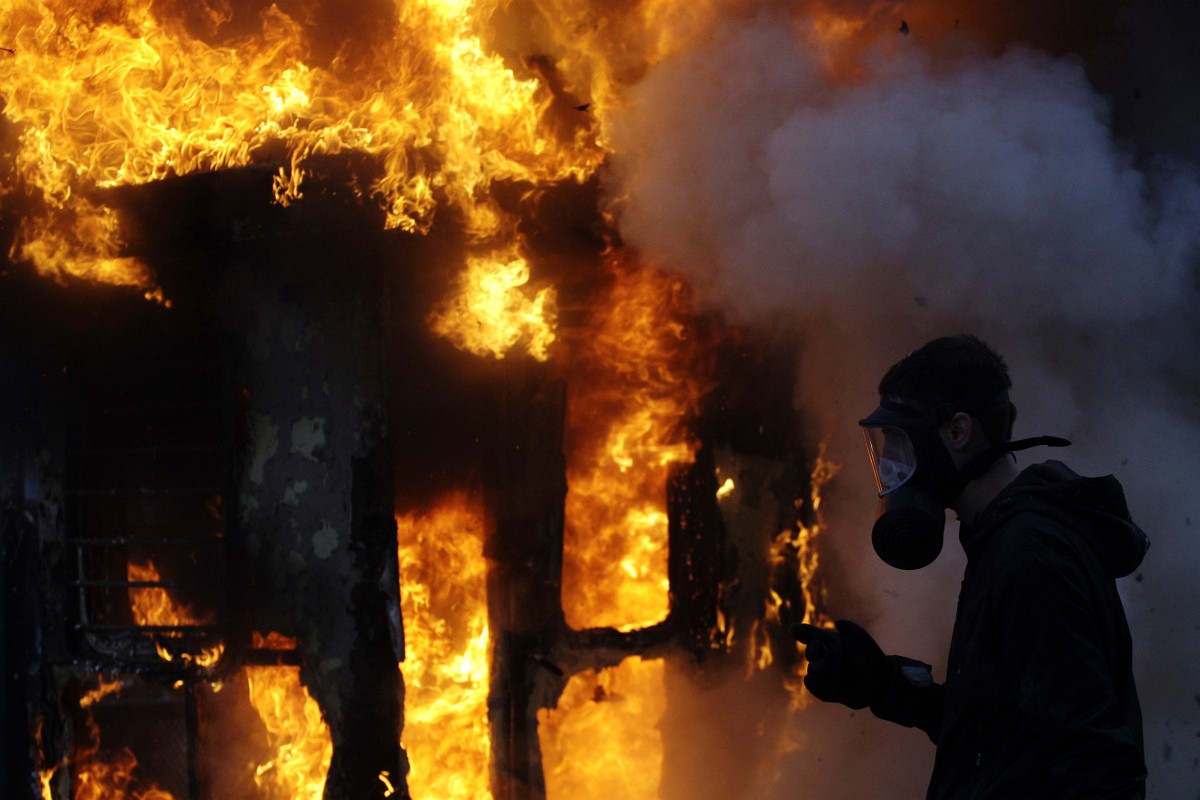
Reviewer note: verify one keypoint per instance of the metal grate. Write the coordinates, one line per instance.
(148, 454)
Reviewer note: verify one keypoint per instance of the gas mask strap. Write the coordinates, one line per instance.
(982, 462)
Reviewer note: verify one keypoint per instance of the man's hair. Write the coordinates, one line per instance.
(961, 371)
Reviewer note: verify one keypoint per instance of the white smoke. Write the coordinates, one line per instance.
(984, 196)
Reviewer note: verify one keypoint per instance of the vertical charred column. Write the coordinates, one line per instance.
(316, 500)
(372, 718)
(20, 606)
(526, 494)
(696, 540)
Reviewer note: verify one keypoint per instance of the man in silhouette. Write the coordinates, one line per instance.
(1039, 698)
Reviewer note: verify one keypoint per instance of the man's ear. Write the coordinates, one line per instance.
(959, 431)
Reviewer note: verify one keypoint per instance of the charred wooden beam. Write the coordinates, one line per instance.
(526, 492)
(696, 541)
(372, 709)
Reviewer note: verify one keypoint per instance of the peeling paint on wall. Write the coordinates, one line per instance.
(308, 436)
(291, 495)
(324, 541)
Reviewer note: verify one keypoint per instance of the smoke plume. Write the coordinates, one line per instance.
(920, 196)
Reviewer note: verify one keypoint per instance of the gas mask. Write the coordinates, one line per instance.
(917, 479)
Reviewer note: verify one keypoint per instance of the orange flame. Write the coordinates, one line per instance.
(802, 542)
(637, 387)
(155, 606)
(110, 93)
(112, 778)
(491, 312)
(296, 731)
(99, 775)
(103, 689)
(611, 716)
(638, 383)
(113, 93)
(45, 774)
(444, 602)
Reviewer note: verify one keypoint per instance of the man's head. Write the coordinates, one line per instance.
(944, 423)
(955, 374)
(943, 417)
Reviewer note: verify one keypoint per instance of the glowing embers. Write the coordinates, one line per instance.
(443, 597)
(635, 386)
(296, 731)
(603, 740)
(493, 309)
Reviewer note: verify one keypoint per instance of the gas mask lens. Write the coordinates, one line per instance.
(892, 456)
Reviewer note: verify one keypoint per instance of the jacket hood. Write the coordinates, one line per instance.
(1094, 508)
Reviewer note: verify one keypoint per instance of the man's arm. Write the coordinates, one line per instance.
(911, 697)
(846, 666)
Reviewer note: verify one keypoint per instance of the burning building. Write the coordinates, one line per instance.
(436, 399)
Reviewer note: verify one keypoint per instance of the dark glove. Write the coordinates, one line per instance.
(844, 665)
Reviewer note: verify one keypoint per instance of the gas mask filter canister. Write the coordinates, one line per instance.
(909, 527)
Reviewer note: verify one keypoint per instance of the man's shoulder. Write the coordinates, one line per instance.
(1081, 520)
(1027, 540)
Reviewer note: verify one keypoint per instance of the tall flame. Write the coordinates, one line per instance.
(444, 601)
(803, 539)
(798, 546)
(637, 387)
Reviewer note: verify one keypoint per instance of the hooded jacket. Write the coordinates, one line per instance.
(1039, 699)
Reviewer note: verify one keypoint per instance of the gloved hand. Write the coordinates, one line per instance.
(844, 665)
